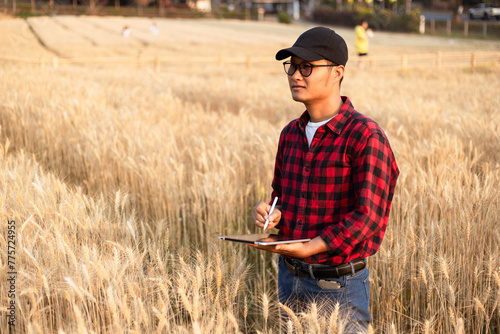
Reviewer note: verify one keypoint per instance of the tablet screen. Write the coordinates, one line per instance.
(262, 239)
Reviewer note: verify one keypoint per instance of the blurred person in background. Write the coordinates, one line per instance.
(335, 175)
(155, 30)
(126, 32)
(362, 33)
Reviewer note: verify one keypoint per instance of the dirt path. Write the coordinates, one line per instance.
(100, 37)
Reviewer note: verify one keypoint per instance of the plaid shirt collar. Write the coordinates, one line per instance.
(337, 123)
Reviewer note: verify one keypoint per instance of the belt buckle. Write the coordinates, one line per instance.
(329, 285)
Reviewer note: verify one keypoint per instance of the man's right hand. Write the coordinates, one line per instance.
(260, 213)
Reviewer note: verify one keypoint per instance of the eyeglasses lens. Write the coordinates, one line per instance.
(305, 69)
(289, 68)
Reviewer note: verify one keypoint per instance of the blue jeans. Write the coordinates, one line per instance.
(352, 292)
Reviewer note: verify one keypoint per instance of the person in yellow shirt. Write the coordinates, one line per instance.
(361, 40)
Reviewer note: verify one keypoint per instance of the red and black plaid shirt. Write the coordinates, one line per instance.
(340, 189)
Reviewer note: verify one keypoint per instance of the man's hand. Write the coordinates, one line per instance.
(298, 250)
(261, 212)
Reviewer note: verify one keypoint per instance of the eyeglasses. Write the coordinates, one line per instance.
(305, 69)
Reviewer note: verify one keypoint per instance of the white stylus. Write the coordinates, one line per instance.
(270, 212)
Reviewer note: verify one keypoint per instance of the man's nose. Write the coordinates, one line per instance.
(297, 75)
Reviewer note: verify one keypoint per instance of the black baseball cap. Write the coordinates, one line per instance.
(316, 44)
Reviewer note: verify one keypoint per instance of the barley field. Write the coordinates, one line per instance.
(118, 180)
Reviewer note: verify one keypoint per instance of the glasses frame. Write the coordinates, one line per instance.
(299, 66)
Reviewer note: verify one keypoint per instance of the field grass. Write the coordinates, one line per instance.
(119, 180)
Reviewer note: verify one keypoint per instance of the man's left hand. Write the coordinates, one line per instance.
(298, 250)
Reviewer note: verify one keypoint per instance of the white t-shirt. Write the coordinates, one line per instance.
(311, 129)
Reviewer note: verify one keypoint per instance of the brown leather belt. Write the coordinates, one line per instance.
(320, 271)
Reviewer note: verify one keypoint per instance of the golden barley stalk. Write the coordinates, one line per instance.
(265, 307)
(233, 320)
(293, 317)
(334, 322)
(459, 327)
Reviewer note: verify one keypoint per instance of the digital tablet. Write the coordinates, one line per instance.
(262, 239)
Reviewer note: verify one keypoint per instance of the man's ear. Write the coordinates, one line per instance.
(338, 72)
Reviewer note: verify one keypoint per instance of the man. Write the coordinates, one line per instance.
(335, 175)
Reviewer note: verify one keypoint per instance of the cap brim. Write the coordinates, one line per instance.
(297, 51)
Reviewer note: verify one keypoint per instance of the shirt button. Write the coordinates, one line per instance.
(307, 169)
(303, 195)
(299, 222)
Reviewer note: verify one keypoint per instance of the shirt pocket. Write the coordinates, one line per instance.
(334, 182)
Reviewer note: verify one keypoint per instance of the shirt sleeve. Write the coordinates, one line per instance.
(372, 176)
(276, 184)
